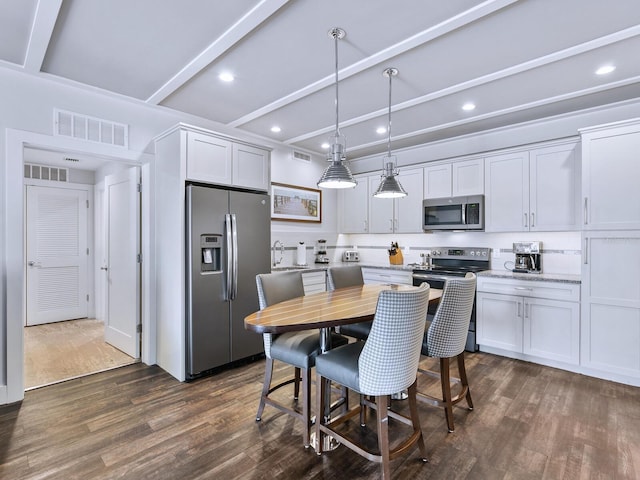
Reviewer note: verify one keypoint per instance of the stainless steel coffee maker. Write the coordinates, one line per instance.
(528, 257)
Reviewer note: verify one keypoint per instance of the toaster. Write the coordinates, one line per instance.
(350, 256)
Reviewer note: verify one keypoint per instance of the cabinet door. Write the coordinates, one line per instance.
(554, 197)
(250, 167)
(387, 276)
(380, 209)
(610, 179)
(314, 282)
(408, 210)
(468, 177)
(437, 181)
(354, 204)
(209, 159)
(552, 329)
(611, 302)
(507, 193)
(499, 321)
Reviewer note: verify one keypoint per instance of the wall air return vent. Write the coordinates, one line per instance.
(43, 172)
(91, 129)
(303, 157)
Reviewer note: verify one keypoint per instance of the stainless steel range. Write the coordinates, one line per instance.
(448, 262)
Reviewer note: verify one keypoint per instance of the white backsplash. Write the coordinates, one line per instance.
(561, 251)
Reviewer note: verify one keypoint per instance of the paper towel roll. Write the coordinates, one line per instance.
(301, 257)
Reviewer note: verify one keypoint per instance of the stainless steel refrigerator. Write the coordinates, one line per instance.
(227, 243)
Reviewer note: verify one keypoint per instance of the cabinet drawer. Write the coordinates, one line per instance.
(314, 282)
(383, 275)
(527, 288)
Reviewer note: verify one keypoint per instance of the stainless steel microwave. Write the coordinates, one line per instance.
(453, 213)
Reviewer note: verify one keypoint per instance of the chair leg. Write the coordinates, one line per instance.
(320, 406)
(463, 379)
(446, 392)
(383, 434)
(306, 406)
(415, 419)
(268, 373)
(296, 385)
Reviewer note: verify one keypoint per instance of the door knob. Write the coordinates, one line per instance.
(31, 263)
(104, 268)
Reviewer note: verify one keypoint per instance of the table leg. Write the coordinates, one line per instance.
(328, 442)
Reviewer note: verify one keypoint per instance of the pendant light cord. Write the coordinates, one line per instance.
(389, 125)
(335, 39)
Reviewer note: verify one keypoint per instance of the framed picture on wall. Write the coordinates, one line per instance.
(295, 204)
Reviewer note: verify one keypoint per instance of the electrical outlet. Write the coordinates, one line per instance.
(495, 253)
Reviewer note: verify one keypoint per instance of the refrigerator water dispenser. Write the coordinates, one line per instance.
(211, 247)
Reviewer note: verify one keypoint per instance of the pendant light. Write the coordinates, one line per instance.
(337, 174)
(389, 186)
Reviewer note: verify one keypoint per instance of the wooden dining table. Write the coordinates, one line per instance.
(325, 309)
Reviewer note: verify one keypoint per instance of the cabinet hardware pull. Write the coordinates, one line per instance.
(526, 220)
(523, 288)
(586, 251)
(519, 306)
(533, 219)
(586, 212)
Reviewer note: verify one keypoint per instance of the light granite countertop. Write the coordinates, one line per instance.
(536, 277)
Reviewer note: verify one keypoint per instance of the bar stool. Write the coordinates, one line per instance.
(351, 276)
(446, 338)
(298, 349)
(385, 363)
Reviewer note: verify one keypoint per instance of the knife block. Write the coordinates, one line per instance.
(396, 259)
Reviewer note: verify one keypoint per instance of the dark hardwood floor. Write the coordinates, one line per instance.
(136, 422)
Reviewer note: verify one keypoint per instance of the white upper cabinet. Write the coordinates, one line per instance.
(397, 215)
(506, 207)
(437, 181)
(354, 207)
(454, 179)
(211, 159)
(467, 177)
(610, 174)
(534, 190)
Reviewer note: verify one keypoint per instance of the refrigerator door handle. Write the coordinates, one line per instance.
(230, 254)
(234, 235)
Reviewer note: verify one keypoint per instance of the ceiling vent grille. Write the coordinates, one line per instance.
(42, 172)
(91, 129)
(303, 157)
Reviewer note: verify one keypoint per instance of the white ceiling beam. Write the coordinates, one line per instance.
(43, 23)
(251, 20)
(458, 21)
(506, 111)
(485, 79)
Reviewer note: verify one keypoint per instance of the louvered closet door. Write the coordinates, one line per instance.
(56, 254)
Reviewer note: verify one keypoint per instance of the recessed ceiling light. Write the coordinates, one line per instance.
(605, 69)
(276, 129)
(381, 130)
(325, 145)
(467, 107)
(226, 77)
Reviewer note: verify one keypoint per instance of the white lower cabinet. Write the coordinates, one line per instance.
(314, 282)
(387, 276)
(536, 318)
(611, 303)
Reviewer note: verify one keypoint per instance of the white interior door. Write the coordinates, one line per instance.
(122, 267)
(56, 236)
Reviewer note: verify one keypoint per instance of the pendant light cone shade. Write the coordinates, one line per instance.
(389, 186)
(337, 174)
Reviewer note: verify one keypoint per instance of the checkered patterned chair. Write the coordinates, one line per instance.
(386, 363)
(295, 348)
(445, 339)
(351, 276)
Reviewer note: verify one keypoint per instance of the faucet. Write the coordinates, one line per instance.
(273, 252)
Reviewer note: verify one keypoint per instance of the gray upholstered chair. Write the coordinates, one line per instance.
(351, 276)
(295, 348)
(386, 363)
(446, 338)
